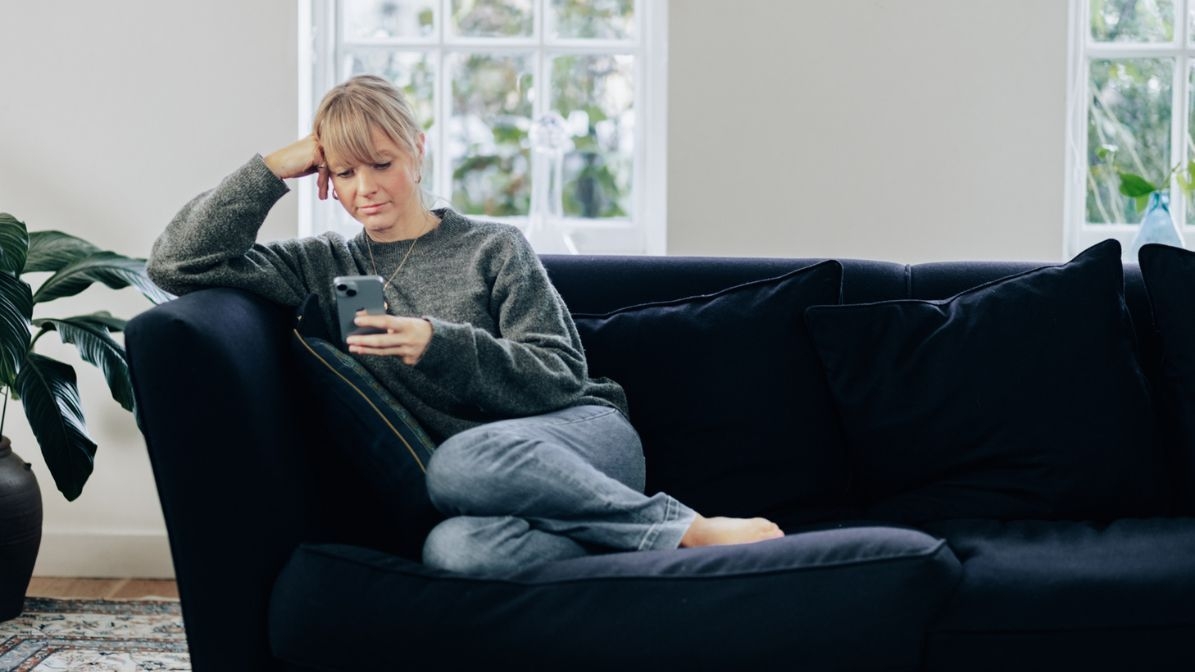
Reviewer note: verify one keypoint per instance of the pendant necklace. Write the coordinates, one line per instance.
(374, 264)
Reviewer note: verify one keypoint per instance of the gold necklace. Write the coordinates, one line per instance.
(374, 264)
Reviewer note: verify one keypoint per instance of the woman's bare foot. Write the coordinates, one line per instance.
(722, 531)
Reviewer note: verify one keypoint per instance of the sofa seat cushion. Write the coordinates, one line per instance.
(843, 599)
(1056, 575)
(1068, 596)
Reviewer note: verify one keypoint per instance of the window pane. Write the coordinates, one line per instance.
(1191, 24)
(1128, 129)
(1132, 20)
(381, 19)
(492, 18)
(596, 96)
(487, 133)
(599, 19)
(415, 74)
(1189, 142)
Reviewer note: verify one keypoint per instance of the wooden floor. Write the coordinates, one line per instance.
(106, 589)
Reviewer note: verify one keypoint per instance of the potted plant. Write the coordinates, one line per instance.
(46, 387)
(1153, 199)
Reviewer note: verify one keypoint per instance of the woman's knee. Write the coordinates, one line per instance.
(478, 545)
(492, 545)
(450, 546)
(464, 468)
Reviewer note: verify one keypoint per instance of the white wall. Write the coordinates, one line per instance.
(944, 146)
(112, 115)
(904, 130)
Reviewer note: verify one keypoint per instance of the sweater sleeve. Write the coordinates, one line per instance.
(212, 241)
(534, 365)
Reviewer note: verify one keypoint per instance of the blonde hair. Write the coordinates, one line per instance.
(349, 113)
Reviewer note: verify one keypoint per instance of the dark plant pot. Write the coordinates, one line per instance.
(20, 529)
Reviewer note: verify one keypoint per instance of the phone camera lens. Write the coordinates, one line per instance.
(341, 287)
(351, 292)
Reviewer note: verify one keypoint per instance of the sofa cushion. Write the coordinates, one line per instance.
(1066, 591)
(1020, 398)
(841, 599)
(1169, 274)
(1055, 575)
(384, 446)
(728, 395)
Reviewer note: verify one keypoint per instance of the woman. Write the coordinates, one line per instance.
(536, 461)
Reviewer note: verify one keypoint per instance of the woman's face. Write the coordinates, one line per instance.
(383, 196)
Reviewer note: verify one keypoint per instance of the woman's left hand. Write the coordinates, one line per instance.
(405, 337)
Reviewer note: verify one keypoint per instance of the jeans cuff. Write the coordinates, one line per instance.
(666, 534)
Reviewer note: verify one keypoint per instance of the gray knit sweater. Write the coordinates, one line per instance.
(503, 343)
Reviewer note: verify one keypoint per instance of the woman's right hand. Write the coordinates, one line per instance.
(300, 158)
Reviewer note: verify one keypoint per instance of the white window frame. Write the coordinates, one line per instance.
(643, 232)
(1079, 234)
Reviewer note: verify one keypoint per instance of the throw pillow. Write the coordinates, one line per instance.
(728, 395)
(1020, 398)
(383, 446)
(1169, 275)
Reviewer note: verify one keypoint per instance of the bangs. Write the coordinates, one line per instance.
(347, 136)
(351, 114)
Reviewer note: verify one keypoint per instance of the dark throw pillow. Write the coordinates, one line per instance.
(364, 428)
(728, 395)
(1020, 398)
(1169, 274)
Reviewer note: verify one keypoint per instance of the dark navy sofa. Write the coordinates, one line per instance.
(900, 554)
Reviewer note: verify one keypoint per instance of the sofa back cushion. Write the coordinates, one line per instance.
(728, 395)
(365, 436)
(1020, 398)
(1169, 274)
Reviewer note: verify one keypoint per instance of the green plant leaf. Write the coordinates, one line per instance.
(90, 334)
(113, 270)
(1186, 178)
(14, 243)
(51, 250)
(113, 323)
(16, 311)
(1134, 185)
(50, 396)
(1184, 182)
(1141, 202)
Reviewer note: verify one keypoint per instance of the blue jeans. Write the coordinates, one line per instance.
(548, 487)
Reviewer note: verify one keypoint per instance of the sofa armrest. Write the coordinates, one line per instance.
(215, 403)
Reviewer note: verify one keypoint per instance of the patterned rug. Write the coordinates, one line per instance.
(94, 635)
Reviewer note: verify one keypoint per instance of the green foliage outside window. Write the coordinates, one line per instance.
(493, 97)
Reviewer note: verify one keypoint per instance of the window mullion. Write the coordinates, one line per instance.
(639, 161)
(541, 104)
(491, 43)
(1180, 24)
(1180, 110)
(1177, 104)
(1133, 50)
(442, 105)
(1178, 113)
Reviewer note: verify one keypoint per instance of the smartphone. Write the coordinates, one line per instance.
(355, 293)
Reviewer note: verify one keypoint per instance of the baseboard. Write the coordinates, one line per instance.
(116, 555)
